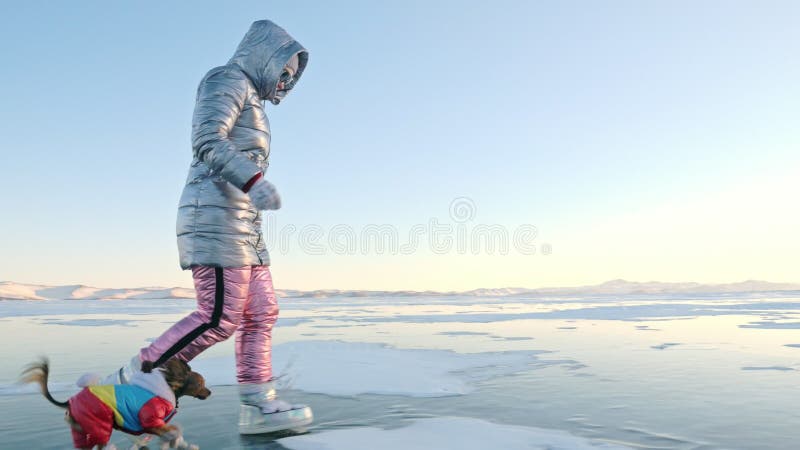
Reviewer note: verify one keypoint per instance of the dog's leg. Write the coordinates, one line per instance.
(72, 423)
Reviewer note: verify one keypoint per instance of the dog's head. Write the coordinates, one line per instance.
(180, 378)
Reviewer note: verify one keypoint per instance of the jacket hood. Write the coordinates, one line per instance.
(262, 54)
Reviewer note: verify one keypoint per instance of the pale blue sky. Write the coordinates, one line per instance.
(572, 116)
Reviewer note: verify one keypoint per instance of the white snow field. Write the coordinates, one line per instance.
(649, 370)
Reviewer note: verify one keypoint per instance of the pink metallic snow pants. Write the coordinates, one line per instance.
(230, 300)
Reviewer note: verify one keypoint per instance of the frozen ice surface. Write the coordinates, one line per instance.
(446, 357)
(771, 325)
(665, 345)
(352, 368)
(445, 433)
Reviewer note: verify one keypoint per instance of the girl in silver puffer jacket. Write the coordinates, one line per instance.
(219, 224)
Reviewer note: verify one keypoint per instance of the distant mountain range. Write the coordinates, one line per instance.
(19, 291)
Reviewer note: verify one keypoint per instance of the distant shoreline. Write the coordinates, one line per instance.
(35, 292)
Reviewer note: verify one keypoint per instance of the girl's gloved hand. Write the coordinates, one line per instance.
(264, 195)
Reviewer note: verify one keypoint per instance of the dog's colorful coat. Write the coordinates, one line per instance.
(147, 402)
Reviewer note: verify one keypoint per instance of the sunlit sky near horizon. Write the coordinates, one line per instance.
(643, 140)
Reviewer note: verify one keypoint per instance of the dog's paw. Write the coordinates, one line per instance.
(178, 443)
(141, 441)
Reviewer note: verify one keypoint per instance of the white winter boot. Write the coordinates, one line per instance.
(262, 412)
(120, 376)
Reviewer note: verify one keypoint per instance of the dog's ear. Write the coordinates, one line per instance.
(175, 373)
(176, 367)
(184, 365)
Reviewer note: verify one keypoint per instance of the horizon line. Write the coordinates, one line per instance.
(617, 280)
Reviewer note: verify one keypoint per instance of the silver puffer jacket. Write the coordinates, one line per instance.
(217, 224)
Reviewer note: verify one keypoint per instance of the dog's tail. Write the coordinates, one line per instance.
(37, 372)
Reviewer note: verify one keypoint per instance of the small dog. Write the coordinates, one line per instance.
(143, 406)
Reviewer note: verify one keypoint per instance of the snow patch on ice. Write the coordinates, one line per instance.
(87, 307)
(90, 322)
(445, 433)
(351, 368)
(462, 333)
(643, 312)
(511, 338)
